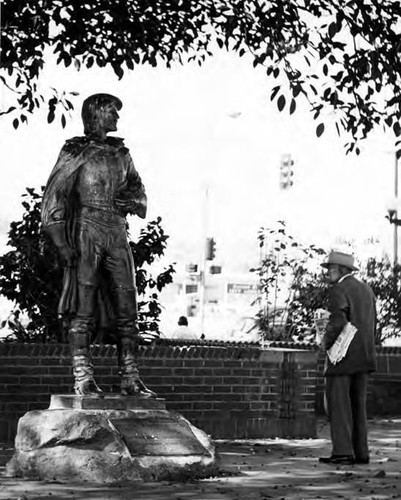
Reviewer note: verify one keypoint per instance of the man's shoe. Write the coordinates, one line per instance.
(361, 460)
(338, 460)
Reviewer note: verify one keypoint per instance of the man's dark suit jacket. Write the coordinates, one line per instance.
(352, 300)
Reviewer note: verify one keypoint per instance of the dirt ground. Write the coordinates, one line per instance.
(255, 470)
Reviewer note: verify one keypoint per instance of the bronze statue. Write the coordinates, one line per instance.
(91, 189)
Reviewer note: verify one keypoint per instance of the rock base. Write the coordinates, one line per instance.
(110, 439)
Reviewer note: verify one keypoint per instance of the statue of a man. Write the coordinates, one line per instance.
(91, 189)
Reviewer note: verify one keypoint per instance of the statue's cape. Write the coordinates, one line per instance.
(74, 153)
(57, 197)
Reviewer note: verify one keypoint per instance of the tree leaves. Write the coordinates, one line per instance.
(332, 29)
(281, 103)
(293, 106)
(320, 129)
(286, 270)
(31, 276)
(9, 110)
(124, 34)
(274, 92)
(50, 116)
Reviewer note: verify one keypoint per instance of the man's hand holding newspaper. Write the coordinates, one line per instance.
(340, 347)
(321, 320)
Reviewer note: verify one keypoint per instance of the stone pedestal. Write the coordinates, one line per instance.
(109, 439)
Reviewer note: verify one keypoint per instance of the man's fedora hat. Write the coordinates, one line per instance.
(341, 259)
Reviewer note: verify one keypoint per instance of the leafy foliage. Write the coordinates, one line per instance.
(290, 285)
(31, 277)
(292, 288)
(341, 55)
(385, 282)
(151, 245)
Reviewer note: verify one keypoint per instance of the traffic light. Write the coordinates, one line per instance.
(191, 268)
(215, 270)
(210, 249)
(286, 172)
(193, 308)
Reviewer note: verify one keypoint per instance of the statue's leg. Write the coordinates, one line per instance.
(131, 383)
(81, 326)
(79, 336)
(120, 267)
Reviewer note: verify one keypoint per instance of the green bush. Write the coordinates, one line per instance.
(31, 277)
(292, 288)
(385, 282)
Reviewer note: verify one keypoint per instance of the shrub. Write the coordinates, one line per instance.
(31, 277)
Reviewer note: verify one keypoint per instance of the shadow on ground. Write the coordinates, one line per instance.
(255, 469)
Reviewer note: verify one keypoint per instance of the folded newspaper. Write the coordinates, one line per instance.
(340, 347)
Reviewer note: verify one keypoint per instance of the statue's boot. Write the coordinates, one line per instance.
(131, 384)
(85, 384)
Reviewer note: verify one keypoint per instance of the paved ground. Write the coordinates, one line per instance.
(255, 470)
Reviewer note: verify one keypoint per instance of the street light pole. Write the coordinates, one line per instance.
(392, 216)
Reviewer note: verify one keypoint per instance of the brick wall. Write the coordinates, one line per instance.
(384, 389)
(228, 390)
(384, 396)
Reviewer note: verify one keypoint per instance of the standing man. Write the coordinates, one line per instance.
(91, 189)
(350, 300)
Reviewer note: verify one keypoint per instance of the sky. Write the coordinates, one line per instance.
(192, 129)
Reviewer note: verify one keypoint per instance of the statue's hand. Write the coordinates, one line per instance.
(132, 205)
(67, 255)
(126, 205)
(57, 234)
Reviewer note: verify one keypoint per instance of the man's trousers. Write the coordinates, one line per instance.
(346, 408)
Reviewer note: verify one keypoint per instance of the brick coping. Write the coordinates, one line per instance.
(157, 349)
(8, 348)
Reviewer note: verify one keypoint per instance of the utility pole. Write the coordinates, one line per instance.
(395, 225)
(202, 283)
